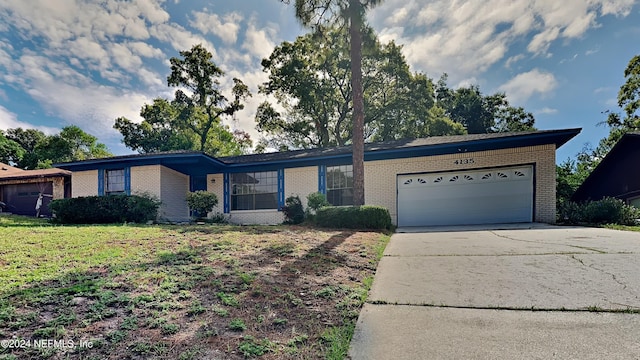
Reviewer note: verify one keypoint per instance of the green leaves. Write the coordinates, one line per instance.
(32, 149)
(311, 81)
(192, 120)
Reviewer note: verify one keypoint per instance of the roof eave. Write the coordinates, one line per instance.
(558, 137)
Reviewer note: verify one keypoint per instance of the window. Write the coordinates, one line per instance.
(340, 185)
(114, 182)
(254, 191)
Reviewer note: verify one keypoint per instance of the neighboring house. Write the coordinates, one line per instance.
(20, 189)
(467, 179)
(617, 175)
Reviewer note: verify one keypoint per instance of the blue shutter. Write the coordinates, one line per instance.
(280, 189)
(226, 193)
(127, 180)
(100, 182)
(322, 179)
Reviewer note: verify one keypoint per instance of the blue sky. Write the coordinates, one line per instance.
(86, 63)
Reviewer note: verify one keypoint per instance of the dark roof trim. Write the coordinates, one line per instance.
(60, 173)
(557, 137)
(179, 160)
(189, 162)
(602, 172)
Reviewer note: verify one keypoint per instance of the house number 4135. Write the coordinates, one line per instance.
(464, 161)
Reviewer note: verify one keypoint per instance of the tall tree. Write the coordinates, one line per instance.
(629, 102)
(311, 80)
(159, 131)
(479, 113)
(28, 139)
(10, 151)
(71, 144)
(315, 14)
(192, 120)
(201, 107)
(40, 150)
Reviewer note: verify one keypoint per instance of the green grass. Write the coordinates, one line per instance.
(149, 290)
(622, 227)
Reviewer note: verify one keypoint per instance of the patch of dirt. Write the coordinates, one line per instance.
(231, 293)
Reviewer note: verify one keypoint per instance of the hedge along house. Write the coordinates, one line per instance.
(450, 180)
(20, 189)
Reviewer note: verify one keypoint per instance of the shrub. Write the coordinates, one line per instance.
(317, 200)
(363, 217)
(605, 211)
(202, 202)
(105, 209)
(218, 218)
(293, 210)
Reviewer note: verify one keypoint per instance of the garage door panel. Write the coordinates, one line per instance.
(504, 195)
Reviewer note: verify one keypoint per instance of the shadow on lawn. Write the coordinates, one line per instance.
(137, 307)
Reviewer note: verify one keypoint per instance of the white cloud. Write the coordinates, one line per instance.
(591, 52)
(70, 95)
(512, 60)
(464, 38)
(524, 85)
(546, 111)
(617, 7)
(9, 120)
(541, 42)
(259, 42)
(603, 90)
(226, 27)
(179, 38)
(146, 50)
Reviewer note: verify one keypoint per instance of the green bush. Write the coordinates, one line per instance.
(202, 202)
(317, 200)
(293, 210)
(605, 211)
(363, 217)
(105, 209)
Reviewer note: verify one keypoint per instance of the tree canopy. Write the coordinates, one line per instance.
(32, 149)
(10, 151)
(480, 113)
(629, 102)
(317, 14)
(310, 81)
(193, 119)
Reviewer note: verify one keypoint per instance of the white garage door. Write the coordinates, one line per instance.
(491, 196)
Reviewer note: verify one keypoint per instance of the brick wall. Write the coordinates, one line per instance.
(84, 183)
(261, 217)
(174, 187)
(301, 182)
(215, 184)
(146, 179)
(380, 176)
(380, 179)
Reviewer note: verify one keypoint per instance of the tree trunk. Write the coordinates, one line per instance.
(355, 34)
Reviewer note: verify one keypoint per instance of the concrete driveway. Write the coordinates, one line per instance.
(512, 292)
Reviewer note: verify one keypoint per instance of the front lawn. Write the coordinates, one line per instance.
(181, 292)
(622, 227)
